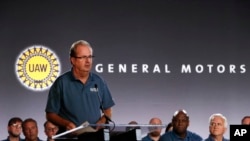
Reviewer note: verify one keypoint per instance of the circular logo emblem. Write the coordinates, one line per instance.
(37, 67)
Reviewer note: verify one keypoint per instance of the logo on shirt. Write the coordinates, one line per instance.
(37, 67)
(94, 89)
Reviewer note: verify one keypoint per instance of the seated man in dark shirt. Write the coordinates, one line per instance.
(180, 123)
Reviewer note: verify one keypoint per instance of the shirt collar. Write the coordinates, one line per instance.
(177, 136)
(74, 78)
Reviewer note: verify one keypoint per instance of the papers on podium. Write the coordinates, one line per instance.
(78, 130)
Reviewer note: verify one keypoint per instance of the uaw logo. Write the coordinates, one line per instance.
(37, 67)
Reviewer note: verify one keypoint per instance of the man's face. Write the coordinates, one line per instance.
(83, 60)
(246, 121)
(50, 129)
(155, 131)
(15, 129)
(217, 127)
(180, 123)
(30, 130)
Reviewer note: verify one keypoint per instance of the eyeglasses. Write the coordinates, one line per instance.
(16, 125)
(84, 57)
(52, 129)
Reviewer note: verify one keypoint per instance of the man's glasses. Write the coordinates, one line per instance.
(55, 129)
(16, 125)
(84, 57)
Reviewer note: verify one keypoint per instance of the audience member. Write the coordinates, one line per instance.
(30, 130)
(169, 127)
(50, 130)
(132, 127)
(217, 127)
(180, 123)
(79, 95)
(154, 132)
(14, 129)
(245, 120)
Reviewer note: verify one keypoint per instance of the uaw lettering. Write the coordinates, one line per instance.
(165, 68)
(37, 67)
(239, 132)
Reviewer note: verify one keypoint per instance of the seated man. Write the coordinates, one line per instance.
(245, 120)
(217, 127)
(180, 122)
(14, 129)
(50, 130)
(30, 130)
(154, 132)
(132, 127)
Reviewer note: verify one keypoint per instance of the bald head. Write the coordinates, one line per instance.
(181, 111)
(155, 121)
(155, 131)
(180, 122)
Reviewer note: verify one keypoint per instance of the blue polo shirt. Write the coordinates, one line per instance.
(71, 99)
(8, 139)
(172, 136)
(211, 139)
(147, 138)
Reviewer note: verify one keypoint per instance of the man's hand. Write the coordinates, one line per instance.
(101, 121)
(70, 126)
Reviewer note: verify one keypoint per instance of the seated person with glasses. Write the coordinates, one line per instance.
(50, 130)
(14, 129)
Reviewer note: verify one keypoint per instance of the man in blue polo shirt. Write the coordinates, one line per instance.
(79, 95)
(217, 127)
(154, 132)
(180, 122)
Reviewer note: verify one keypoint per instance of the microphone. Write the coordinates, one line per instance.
(107, 118)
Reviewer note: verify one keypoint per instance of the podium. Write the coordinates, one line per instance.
(132, 132)
(100, 135)
(131, 135)
(109, 132)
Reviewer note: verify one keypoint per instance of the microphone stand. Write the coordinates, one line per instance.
(107, 119)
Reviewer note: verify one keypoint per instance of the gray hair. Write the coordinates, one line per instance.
(218, 115)
(72, 52)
